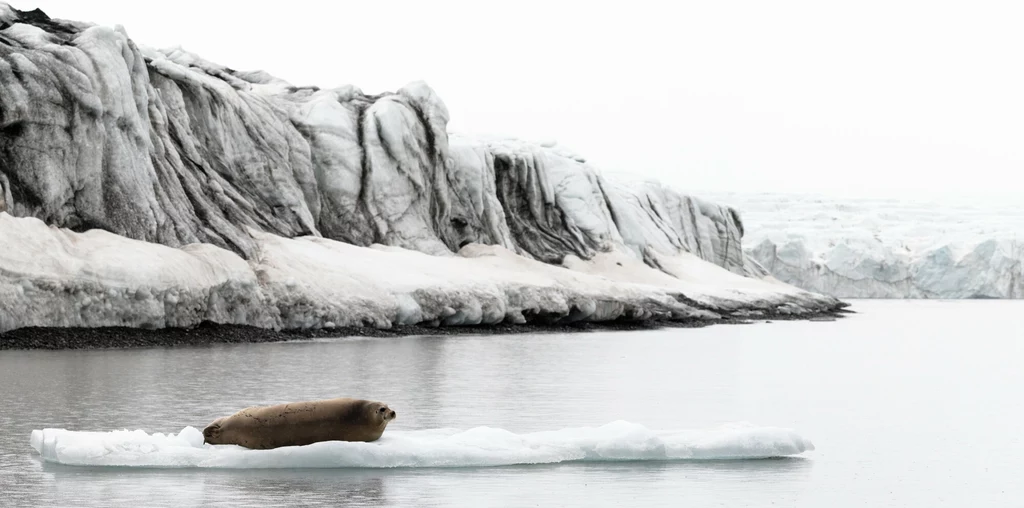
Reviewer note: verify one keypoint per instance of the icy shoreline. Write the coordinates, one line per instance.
(98, 279)
(206, 334)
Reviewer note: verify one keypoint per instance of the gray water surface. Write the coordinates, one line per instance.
(909, 403)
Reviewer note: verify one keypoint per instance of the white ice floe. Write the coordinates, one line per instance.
(481, 446)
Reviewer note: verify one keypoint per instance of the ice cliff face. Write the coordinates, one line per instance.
(168, 148)
(552, 204)
(215, 171)
(887, 248)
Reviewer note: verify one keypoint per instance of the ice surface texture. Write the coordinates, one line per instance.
(172, 190)
(481, 446)
(888, 248)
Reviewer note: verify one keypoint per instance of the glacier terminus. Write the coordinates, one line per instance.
(152, 188)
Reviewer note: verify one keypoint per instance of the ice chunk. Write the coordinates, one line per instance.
(480, 446)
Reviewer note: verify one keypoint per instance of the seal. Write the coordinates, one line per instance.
(301, 423)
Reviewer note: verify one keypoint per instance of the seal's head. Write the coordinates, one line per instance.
(382, 413)
(211, 434)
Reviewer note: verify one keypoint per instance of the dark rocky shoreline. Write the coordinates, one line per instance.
(58, 338)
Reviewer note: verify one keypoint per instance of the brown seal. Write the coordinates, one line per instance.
(301, 423)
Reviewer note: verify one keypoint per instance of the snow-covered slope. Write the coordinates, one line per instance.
(888, 248)
(179, 190)
(56, 277)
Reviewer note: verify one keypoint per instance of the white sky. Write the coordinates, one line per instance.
(867, 97)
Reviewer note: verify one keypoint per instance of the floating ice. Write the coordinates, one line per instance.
(480, 446)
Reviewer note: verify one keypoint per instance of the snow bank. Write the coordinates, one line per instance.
(54, 277)
(60, 278)
(481, 446)
(888, 248)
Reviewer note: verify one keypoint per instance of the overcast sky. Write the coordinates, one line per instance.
(866, 97)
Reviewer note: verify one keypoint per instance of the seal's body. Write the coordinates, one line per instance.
(301, 423)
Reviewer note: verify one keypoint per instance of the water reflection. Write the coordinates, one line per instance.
(129, 486)
(333, 487)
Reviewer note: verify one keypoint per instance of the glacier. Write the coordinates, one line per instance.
(855, 247)
(152, 188)
(477, 447)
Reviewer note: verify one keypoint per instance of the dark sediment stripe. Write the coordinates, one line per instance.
(206, 334)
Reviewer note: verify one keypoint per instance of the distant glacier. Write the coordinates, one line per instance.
(152, 188)
(948, 248)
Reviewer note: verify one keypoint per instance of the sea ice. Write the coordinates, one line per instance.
(480, 446)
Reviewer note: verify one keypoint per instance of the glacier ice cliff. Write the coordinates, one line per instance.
(153, 188)
(888, 248)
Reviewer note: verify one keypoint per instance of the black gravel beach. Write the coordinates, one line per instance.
(57, 338)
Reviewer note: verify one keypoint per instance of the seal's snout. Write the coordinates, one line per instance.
(387, 414)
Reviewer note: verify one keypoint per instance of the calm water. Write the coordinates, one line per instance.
(908, 403)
